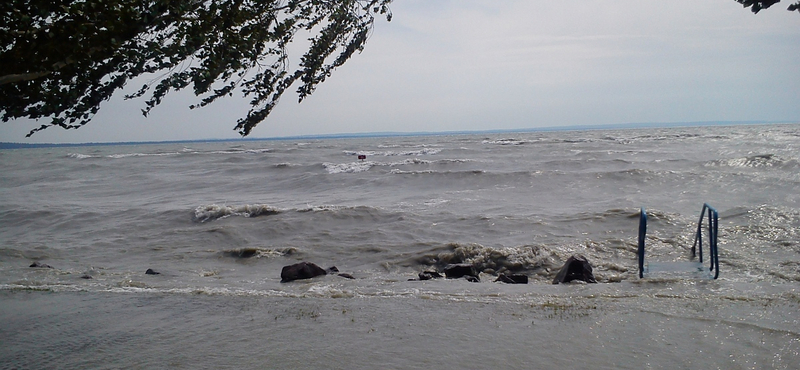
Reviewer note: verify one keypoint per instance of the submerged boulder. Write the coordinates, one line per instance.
(241, 253)
(302, 270)
(152, 272)
(428, 275)
(513, 278)
(472, 278)
(576, 268)
(38, 264)
(461, 270)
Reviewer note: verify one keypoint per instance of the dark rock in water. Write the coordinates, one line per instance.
(241, 253)
(302, 270)
(38, 264)
(152, 272)
(513, 278)
(346, 275)
(472, 279)
(87, 277)
(332, 269)
(576, 268)
(427, 275)
(456, 271)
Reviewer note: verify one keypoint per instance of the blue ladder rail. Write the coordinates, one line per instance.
(642, 234)
(712, 230)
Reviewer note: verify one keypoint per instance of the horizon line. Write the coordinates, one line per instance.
(642, 125)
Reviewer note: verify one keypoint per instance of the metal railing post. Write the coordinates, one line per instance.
(713, 232)
(642, 236)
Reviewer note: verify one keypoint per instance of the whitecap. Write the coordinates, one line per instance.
(352, 167)
(79, 156)
(753, 161)
(212, 212)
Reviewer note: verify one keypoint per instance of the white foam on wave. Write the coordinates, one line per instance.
(456, 160)
(212, 212)
(424, 151)
(324, 207)
(79, 156)
(402, 172)
(416, 161)
(330, 291)
(754, 161)
(505, 142)
(128, 155)
(404, 145)
(356, 167)
(237, 151)
(184, 151)
(352, 167)
(391, 153)
(436, 202)
(494, 260)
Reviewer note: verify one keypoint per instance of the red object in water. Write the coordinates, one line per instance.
(362, 157)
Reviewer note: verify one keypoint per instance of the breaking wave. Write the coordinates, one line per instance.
(506, 142)
(258, 252)
(390, 153)
(353, 167)
(363, 166)
(185, 151)
(530, 259)
(754, 161)
(79, 156)
(213, 212)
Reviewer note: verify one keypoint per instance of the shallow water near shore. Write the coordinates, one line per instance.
(218, 220)
(541, 328)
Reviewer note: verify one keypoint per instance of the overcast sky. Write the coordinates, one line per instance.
(452, 65)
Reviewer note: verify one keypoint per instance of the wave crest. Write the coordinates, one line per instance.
(213, 212)
(352, 167)
(390, 153)
(79, 156)
(258, 252)
(753, 161)
(528, 258)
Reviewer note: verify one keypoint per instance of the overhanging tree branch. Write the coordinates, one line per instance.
(7, 79)
(757, 5)
(61, 60)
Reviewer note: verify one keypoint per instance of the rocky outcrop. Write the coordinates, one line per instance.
(38, 264)
(576, 268)
(428, 275)
(452, 271)
(302, 270)
(461, 270)
(308, 270)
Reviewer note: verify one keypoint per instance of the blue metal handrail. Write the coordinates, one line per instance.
(713, 229)
(642, 234)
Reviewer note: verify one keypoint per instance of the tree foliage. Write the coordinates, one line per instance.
(756, 5)
(61, 59)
